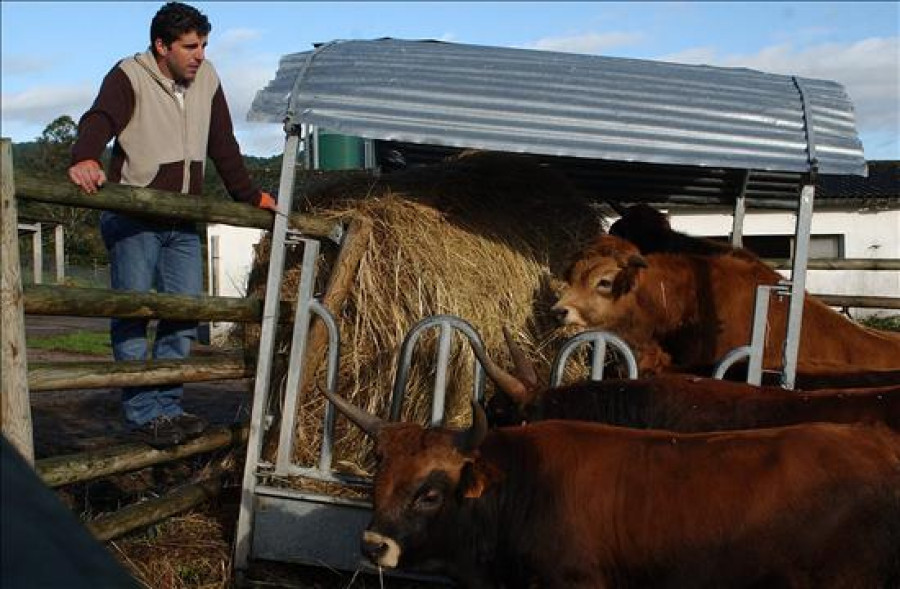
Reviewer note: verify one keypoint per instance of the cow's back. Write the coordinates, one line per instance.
(704, 303)
(710, 509)
(714, 299)
(691, 404)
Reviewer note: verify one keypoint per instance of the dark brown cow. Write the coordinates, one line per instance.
(691, 310)
(652, 233)
(685, 403)
(567, 504)
(676, 402)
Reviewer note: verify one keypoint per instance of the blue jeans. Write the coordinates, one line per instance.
(144, 255)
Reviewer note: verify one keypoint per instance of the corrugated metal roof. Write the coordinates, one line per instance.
(560, 104)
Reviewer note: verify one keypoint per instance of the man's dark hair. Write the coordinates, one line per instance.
(174, 20)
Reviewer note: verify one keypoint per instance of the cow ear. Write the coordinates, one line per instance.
(475, 479)
(636, 261)
(626, 279)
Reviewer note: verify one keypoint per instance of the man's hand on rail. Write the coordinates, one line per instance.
(267, 202)
(88, 175)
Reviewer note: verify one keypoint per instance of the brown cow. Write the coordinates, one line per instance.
(685, 403)
(568, 504)
(691, 310)
(652, 233)
(676, 402)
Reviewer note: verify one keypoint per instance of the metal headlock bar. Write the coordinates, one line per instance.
(447, 324)
(756, 349)
(600, 339)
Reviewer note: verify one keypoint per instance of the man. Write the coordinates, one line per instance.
(167, 111)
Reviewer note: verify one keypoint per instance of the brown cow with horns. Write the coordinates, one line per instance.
(565, 504)
(677, 402)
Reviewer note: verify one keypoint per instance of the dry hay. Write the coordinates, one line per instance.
(187, 551)
(478, 236)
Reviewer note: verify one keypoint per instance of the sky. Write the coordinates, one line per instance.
(54, 54)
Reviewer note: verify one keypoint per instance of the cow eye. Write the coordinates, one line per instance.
(604, 284)
(429, 497)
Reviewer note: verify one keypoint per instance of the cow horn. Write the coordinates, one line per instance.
(471, 438)
(507, 382)
(524, 367)
(367, 422)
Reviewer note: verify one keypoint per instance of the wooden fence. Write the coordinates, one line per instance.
(18, 378)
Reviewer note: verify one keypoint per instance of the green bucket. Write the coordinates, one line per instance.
(340, 152)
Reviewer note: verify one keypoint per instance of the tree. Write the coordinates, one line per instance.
(54, 146)
(51, 159)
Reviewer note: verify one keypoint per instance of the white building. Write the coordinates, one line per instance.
(230, 259)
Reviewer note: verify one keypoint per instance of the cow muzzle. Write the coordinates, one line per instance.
(381, 550)
(567, 315)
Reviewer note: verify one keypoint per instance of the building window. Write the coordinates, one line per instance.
(826, 246)
(782, 246)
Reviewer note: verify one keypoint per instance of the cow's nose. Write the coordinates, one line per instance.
(374, 549)
(561, 313)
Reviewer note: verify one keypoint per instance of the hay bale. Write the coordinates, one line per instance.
(478, 236)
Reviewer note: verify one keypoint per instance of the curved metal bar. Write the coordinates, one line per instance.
(446, 323)
(729, 360)
(600, 339)
(334, 355)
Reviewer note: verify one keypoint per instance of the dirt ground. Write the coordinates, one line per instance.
(67, 422)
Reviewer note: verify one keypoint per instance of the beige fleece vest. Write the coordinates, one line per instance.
(161, 131)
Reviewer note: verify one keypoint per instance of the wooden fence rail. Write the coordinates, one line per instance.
(147, 513)
(166, 205)
(99, 302)
(61, 376)
(84, 302)
(86, 466)
(861, 302)
(838, 263)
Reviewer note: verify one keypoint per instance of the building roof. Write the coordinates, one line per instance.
(881, 186)
(580, 107)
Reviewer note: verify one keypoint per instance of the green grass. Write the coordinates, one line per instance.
(80, 342)
(890, 323)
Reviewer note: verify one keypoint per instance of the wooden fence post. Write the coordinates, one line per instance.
(37, 254)
(59, 245)
(15, 405)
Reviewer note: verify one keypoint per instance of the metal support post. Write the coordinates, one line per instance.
(266, 347)
(798, 285)
(740, 209)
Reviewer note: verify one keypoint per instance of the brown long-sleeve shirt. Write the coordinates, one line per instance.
(162, 140)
